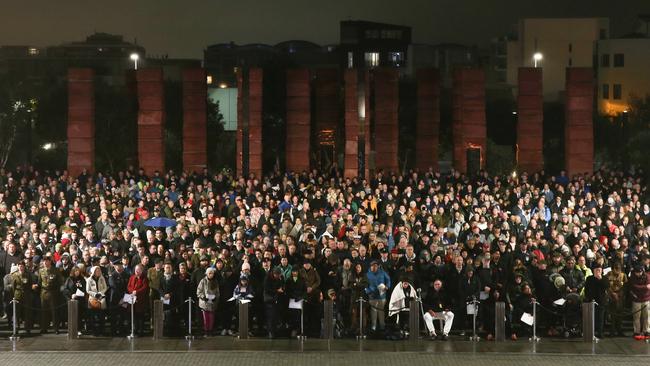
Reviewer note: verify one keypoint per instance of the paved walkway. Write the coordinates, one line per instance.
(314, 359)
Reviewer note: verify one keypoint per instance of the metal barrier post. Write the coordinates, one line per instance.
(414, 320)
(189, 335)
(534, 338)
(243, 320)
(328, 313)
(14, 335)
(361, 335)
(474, 303)
(132, 335)
(158, 319)
(499, 321)
(588, 324)
(73, 319)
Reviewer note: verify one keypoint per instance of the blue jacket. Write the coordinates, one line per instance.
(374, 280)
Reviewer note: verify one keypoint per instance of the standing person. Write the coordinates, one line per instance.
(640, 294)
(169, 290)
(208, 295)
(138, 286)
(118, 282)
(75, 282)
(359, 284)
(154, 274)
(596, 290)
(50, 281)
(296, 290)
(96, 288)
(311, 305)
(273, 291)
(470, 290)
(23, 285)
(617, 281)
(378, 285)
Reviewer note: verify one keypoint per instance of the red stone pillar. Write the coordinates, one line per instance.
(428, 119)
(195, 120)
(255, 121)
(151, 120)
(386, 88)
(368, 125)
(81, 120)
(530, 120)
(249, 122)
(351, 167)
(469, 125)
(579, 133)
(298, 120)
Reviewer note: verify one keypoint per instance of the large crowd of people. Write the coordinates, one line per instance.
(287, 243)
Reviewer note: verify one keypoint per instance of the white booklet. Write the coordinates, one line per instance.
(527, 319)
(295, 304)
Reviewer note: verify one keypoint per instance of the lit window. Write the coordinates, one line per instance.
(33, 51)
(209, 79)
(372, 59)
(350, 60)
(397, 58)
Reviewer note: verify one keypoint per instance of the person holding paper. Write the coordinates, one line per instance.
(296, 291)
(208, 295)
(522, 304)
(378, 284)
(169, 288)
(312, 300)
(117, 283)
(139, 287)
(96, 288)
(73, 285)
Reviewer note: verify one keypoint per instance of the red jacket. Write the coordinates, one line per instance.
(639, 287)
(141, 287)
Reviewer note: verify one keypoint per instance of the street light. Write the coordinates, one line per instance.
(135, 57)
(537, 57)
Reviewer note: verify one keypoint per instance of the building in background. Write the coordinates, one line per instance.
(622, 70)
(369, 44)
(559, 42)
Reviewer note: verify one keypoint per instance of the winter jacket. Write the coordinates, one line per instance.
(374, 280)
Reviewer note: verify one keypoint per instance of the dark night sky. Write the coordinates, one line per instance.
(182, 28)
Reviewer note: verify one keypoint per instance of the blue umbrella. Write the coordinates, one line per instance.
(160, 222)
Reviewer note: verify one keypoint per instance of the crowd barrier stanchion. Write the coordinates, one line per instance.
(328, 313)
(534, 338)
(361, 335)
(132, 335)
(500, 321)
(414, 320)
(158, 319)
(189, 335)
(302, 336)
(14, 335)
(474, 304)
(243, 320)
(73, 319)
(588, 323)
